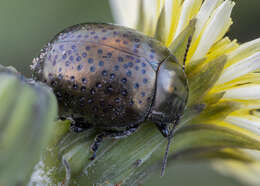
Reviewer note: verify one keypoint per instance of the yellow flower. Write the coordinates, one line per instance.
(223, 75)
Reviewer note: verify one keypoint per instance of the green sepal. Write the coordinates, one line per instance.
(200, 138)
(127, 161)
(181, 44)
(223, 154)
(141, 18)
(217, 111)
(161, 27)
(27, 113)
(200, 83)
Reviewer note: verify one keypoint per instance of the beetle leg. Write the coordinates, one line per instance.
(79, 125)
(111, 134)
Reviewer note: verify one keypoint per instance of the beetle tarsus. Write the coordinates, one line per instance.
(78, 125)
(163, 128)
(95, 145)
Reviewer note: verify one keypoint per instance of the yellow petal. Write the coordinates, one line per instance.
(245, 50)
(240, 68)
(214, 28)
(189, 9)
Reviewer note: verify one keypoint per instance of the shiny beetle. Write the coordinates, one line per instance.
(112, 78)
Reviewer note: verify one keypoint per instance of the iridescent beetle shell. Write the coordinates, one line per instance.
(112, 77)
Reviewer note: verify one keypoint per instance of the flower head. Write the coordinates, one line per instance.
(223, 75)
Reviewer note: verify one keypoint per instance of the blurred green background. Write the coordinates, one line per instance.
(27, 25)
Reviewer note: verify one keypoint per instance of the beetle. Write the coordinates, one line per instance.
(112, 78)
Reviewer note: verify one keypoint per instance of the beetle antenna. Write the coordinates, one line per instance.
(186, 52)
(166, 152)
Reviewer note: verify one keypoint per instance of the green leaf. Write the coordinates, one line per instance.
(27, 112)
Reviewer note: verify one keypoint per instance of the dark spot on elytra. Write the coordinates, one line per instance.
(124, 80)
(112, 76)
(129, 73)
(117, 100)
(99, 51)
(90, 100)
(73, 47)
(130, 64)
(83, 89)
(109, 88)
(109, 54)
(120, 59)
(75, 86)
(71, 58)
(124, 92)
(64, 56)
(90, 60)
(67, 63)
(136, 85)
(78, 58)
(98, 85)
(92, 69)
(84, 80)
(92, 91)
(84, 54)
(104, 73)
(60, 76)
(101, 63)
(72, 78)
(79, 67)
(116, 67)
